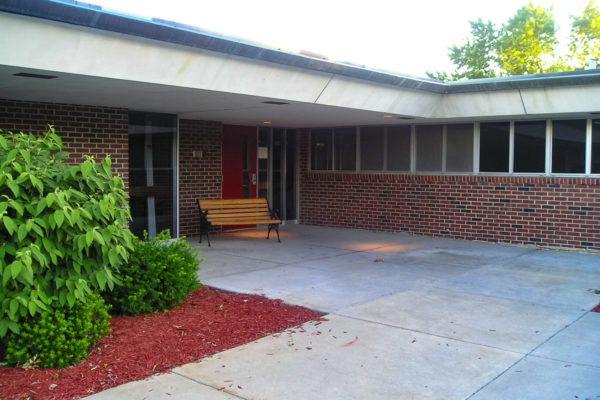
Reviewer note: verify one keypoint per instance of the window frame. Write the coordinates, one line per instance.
(476, 151)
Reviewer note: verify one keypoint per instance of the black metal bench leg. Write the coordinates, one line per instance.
(276, 228)
(207, 237)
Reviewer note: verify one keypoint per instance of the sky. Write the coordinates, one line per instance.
(407, 37)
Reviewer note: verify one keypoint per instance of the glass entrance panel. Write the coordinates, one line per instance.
(151, 172)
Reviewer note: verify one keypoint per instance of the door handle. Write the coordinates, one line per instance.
(254, 178)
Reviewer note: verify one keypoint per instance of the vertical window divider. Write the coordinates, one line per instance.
(511, 148)
(476, 143)
(385, 148)
(548, 147)
(333, 149)
(357, 149)
(588, 146)
(309, 150)
(444, 146)
(413, 149)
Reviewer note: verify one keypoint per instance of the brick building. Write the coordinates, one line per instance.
(185, 114)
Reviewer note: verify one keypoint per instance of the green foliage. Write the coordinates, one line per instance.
(62, 228)
(61, 337)
(585, 36)
(161, 272)
(526, 41)
(476, 58)
(526, 44)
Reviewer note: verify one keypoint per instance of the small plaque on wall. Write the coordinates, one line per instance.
(263, 152)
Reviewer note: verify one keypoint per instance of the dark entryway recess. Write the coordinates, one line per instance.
(152, 172)
(277, 170)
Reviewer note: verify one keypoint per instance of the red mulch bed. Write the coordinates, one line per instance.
(208, 321)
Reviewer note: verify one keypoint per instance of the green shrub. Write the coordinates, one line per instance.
(60, 337)
(62, 228)
(160, 273)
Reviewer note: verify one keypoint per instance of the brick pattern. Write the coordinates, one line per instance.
(85, 130)
(198, 177)
(555, 212)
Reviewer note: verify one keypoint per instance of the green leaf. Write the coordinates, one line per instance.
(26, 156)
(50, 197)
(6, 276)
(3, 327)
(70, 299)
(9, 224)
(27, 275)
(22, 233)
(86, 167)
(15, 268)
(17, 207)
(101, 278)
(14, 307)
(12, 185)
(3, 143)
(32, 308)
(113, 257)
(98, 237)
(47, 245)
(89, 238)
(62, 298)
(13, 326)
(59, 217)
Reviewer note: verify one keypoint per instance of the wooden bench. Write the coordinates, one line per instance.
(236, 212)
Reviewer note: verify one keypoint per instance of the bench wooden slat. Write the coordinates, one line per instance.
(236, 212)
(241, 214)
(217, 203)
(246, 222)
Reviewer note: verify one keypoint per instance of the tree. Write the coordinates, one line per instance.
(526, 43)
(584, 42)
(476, 58)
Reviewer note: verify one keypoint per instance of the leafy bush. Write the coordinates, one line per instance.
(61, 228)
(60, 337)
(160, 273)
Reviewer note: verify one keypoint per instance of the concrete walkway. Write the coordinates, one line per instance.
(409, 317)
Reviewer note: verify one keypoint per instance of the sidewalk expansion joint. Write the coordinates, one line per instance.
(210, 386)
(529, 354)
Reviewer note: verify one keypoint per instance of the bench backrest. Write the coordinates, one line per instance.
(227, 211)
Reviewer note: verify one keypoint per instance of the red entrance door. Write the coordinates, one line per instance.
(239, 163)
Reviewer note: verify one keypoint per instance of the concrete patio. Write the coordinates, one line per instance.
(408, 317)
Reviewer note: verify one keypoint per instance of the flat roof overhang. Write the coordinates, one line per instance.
(107, 68)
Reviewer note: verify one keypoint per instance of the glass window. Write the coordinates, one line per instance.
(530, 146)
(371, 149)
(568, 146)
(151, 169)
(493, 146)
(459, 148)
(398, 148)
(429, 148)
(321, 149)
(345, 149)
(596, 146)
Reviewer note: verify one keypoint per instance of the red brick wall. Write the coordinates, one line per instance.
(558, 212)
(85, 130)
(198, 177)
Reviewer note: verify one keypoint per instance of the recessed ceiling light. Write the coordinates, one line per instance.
(388, 116)
(267, 122)
(37, 76)
(277, 103)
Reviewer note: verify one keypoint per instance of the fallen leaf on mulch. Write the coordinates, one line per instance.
(209, 321)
